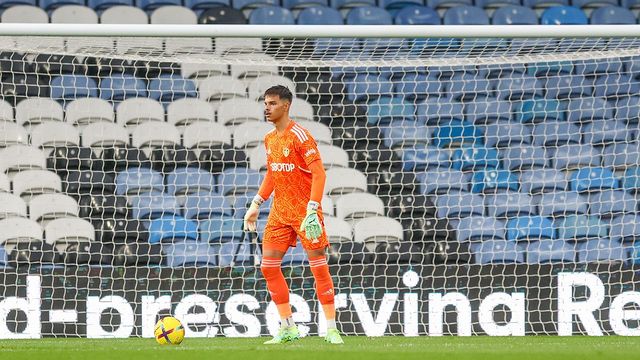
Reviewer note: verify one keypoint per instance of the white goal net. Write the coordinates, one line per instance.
(474, 185)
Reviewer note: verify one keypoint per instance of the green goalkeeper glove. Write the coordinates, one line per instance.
(311, 223)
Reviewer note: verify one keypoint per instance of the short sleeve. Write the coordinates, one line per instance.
(308, 149)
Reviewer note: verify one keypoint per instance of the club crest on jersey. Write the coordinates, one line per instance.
(285, 152)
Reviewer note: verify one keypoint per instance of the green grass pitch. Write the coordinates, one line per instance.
(424, 348)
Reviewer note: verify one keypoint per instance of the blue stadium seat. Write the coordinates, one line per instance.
(602, 250)
(564, 86)
(504, 134)
(302, 4)
(630, 4)
(584, 110)
(549, 251)
(631, 179)
(580, 228)
(152, 205)
(493, 180)
(444, 181)
(185, 181)
(393, 6)
(350, 4)
(475, 158)
(99, 5)
(253, 4)
(204, 205)
(496, 4)
(200, 5)
(172, 229)
(572, 156)
(563, 15)
(604, 132)
(518, 87)
(367, 87)
(599, 66)
(591, 4)
(150, 5)
(190, 254)
(405, 134)
(522, 157)
(542, 180)
(539, 110)
(514, 15)
(459, 205)
(138, 180)
(425, 158)
(417, 86)
(561, 203)
(625, 228)
(541, 4)
(70, 87)
(434, 111)
(445, 4)
(530, 228)
(241, 202)
(621, 155)
(479, 228)
(236, 253)
(615, 85)
(271, 15)
(121, 87)
(609, 15)
(386, 109)
(457, 133)
(368, 15)
(609, 203)
(168, 88)
(544, 69)
(467, 87)
(555, 133)
(485, 110)
(593, 178)
(49, 5)
(628, 109)
(417, 15)
(3, 257)
(221, 230)
(239, 181)
(465, 15)
(509, 204)
(319, 15)
(497, 252)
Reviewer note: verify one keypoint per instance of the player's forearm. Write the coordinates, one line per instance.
(318, 178)
(267, 186)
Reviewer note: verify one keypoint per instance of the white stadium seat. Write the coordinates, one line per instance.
(89, 110)
(218, 88)
(203, 135)
(344, 181)
(34, 111)
(124, 15)
(188, 110)
(47, 207)
(12, 206)
(52, 134)
(236, 111)
(351, 207)
(132, 112)
(17, 229)
(74, 14)
(152, 134)
(20, 157)
(65, 231)
(250, 134)
(104, 134)
(258, 86)
(30, 183)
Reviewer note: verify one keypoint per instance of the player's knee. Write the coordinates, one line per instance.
(271, 271)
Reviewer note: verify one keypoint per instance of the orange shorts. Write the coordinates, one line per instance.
(278, 236)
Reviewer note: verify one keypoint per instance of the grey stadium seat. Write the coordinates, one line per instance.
(5, 183)
(74, 14)
(52, 134)
(6, 111)
(124, 15)
(218, 88)
(378, 229)
(320, 132)
(19, 157)
(344, 181)
(24, 14)
(89, 110)
(202, 71)
(338, 230)
(246, 72)
(132, 112)
(46, 207)
(186, 111)
(66, 231)
(232, 46)
(236, 111)
(104, 134)
(174, 15)
(205, 134)
(351, 207)
(259, 85)
(12, 206)
(333, 156)
(29, 183)
(16, 230)
(258, 159)
(300, 110)
(250, 134)
(155, 134)
(12, 134)
(34, 111)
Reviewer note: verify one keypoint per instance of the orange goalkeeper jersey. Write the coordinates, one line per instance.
(288, 157)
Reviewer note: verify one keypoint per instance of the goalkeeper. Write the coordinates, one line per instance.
(296, 176)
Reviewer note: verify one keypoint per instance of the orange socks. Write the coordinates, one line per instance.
(324, 288)
(277, 285)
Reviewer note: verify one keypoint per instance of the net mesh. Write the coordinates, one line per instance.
(474, 186)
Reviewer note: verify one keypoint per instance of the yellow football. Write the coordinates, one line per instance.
(169, 330)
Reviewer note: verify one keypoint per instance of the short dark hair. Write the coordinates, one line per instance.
(282, 91)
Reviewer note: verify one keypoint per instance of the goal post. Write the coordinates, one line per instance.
(481, 180)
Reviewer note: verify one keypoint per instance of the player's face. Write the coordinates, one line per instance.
(275, 108)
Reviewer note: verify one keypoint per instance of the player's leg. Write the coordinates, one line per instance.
(275, 244)
(324, 283)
